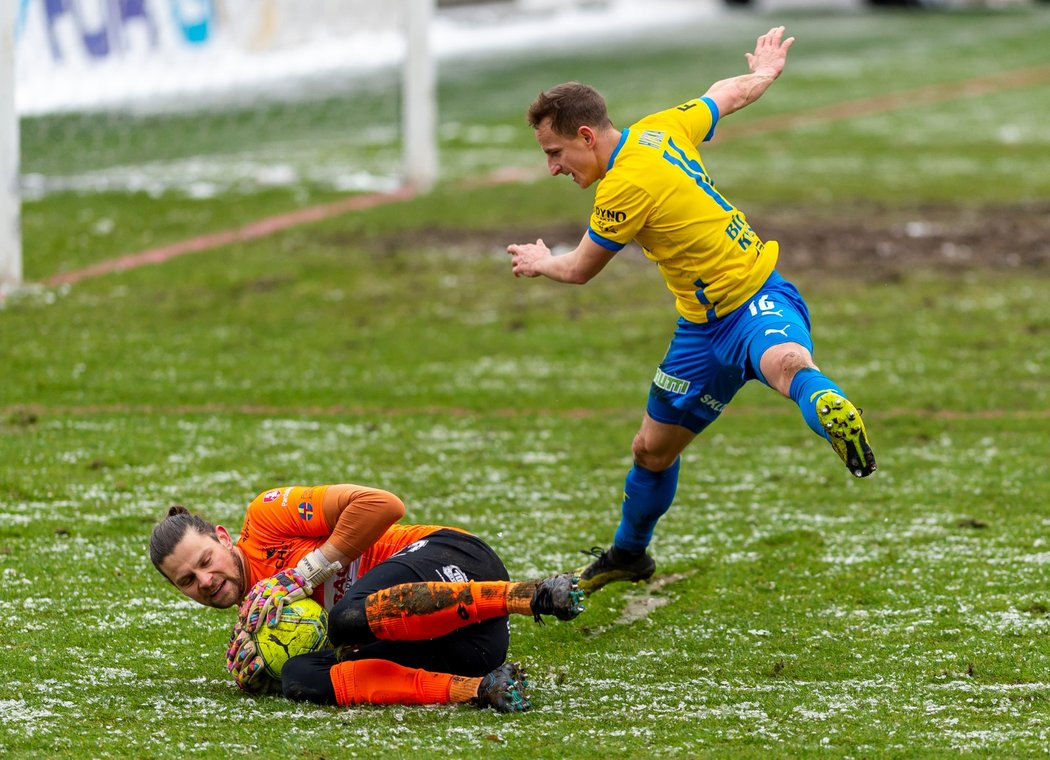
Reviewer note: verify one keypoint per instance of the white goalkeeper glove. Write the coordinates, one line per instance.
(317, 568)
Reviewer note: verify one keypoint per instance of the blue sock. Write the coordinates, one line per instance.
(806, 388)
(646, 496)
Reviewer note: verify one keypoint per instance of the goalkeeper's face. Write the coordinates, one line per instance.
(207, 569)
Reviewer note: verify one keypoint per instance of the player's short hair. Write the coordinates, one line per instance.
(169, 531)
(569, 106)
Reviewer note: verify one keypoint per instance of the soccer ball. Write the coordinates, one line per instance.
(301, 628)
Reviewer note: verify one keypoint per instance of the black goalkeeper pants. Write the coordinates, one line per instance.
(474, 650)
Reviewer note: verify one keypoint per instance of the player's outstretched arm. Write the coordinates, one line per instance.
(576, 267)
(766, 64)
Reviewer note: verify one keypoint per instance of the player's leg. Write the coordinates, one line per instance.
(466, 665)
(424, 610)
(652, 481)
(648, 493)
(396, 601)
(473, 651)
(687, 394)
(775, 327)
(319, 677)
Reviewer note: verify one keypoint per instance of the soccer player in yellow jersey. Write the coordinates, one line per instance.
(738, 318)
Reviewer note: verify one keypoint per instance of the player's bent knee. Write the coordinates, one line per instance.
(781, 363)
(652, 461)
(348, 624)
(638, 447)
(794, 361)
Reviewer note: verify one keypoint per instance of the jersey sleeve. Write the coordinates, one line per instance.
(697, 118)
(620, 210)
(359, 515)
(289, 512)
(281, 526)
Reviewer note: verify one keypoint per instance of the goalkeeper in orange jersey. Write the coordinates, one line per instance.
(417, 613)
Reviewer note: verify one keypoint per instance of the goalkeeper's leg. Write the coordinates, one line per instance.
(393, 602)
(428, 610)
(318, 678)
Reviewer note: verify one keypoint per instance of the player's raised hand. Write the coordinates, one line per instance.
(525, 258)
(770, 53)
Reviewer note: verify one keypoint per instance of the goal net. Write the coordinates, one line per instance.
(208, 96)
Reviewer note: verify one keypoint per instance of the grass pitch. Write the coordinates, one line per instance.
(796, 611)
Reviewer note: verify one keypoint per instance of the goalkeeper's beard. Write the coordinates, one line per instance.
(240, 581)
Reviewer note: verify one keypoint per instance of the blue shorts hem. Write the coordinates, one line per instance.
(668, 414)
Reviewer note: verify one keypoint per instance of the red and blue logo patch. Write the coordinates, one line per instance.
(306, 510)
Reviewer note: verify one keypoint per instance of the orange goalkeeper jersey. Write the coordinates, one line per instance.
(284, 524)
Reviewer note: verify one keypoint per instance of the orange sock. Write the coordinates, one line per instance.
(381, 682)
(420, 611)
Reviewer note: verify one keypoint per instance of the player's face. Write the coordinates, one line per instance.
(574, 156)
(206, 569)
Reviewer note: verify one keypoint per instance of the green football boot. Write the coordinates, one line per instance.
(845, 429)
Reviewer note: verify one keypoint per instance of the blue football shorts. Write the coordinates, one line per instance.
(706, 364)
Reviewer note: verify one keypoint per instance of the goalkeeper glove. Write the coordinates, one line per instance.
(267, 598)
(246, 666)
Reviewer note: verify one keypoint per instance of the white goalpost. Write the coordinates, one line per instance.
(129, 60)
(420, 159)
(10, 202)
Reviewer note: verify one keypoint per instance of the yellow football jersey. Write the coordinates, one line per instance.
(657, 192)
